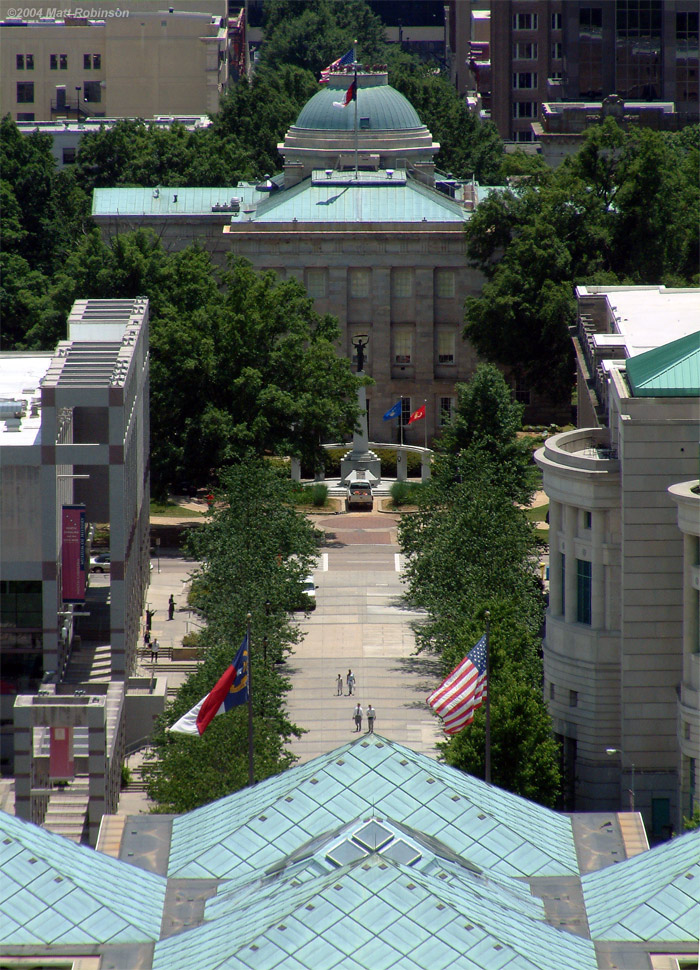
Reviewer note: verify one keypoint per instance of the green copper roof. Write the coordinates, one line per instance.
(255, 829)
(433, 911)
(385, 108)
(672, 370)
(372, 197)
(56, 892)
(169, 200)
(654, 895)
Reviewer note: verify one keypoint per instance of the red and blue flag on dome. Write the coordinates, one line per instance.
(343, 61)
(229, 691)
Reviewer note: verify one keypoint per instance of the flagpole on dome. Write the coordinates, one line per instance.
(425, 426)
(251, 764)
(487, 758)
(354, 61)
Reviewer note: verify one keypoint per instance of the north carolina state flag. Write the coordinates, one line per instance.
(229, 691)
(350, 95)
(417, 415)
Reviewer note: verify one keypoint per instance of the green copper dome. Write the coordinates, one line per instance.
(386, 109)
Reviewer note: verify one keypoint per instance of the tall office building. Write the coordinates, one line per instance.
(548, 50)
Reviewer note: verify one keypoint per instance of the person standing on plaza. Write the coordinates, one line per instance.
(154, 652)
(171, 607)
(357, 715)
(149, 618)
(351, 682)
(371, 714)
(339, 685)
(147, 639)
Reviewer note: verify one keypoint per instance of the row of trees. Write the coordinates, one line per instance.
(471, 549)
(254, 552)
(623, 210)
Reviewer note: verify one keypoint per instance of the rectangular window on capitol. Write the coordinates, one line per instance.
(402, 283)
(359, 283)
(316, 285)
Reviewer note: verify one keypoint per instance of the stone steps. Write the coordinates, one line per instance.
(67, 810)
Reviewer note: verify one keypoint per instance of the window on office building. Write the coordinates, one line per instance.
(19, 62)
(359, 283)
(591, 52)
(563, 584)
(445, 284)
(524, 80)
(551, 691)
(316, 283)
(53, 62)
(524, 52)
(523, 136)
(445, 346)
(638, 49)
(25, 116)
(556, 21)
(68, 156)
(557, 50)
(587, 519)
(25, 92)
(524, 109)
(405, 410)
(402, 283)
(573, 698)
(583, 591)
(525, 21)
(63, 62)
(92, 91)
(403, 345)
(446, 406)
(687, 56)
(92, 61)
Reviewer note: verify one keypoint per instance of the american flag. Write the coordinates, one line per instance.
(343, 61)
(459, 695)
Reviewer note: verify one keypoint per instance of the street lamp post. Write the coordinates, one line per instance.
(623, 756)
(77, 102)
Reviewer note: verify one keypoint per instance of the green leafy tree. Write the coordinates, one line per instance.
(485, 425)
(313, 33)
(254, 552)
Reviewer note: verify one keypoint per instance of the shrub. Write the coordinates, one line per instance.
(319, 494)
(126, 776)
(400, 492)
(191, 639)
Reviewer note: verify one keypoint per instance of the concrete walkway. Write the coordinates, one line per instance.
(359, 623)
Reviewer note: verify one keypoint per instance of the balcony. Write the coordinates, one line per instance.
(585, 448)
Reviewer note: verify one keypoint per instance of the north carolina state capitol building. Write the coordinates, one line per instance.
(375, 235)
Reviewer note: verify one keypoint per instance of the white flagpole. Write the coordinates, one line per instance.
(425, 426)
(354, 58)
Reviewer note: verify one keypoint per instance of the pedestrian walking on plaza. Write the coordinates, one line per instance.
(339, 685)
(154, 652)
(149, 618)
(371, 714)
(147, 639)
(351, 682)
(171, 607)
(357, 714)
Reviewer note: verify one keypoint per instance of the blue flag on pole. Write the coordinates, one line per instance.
(394, 412)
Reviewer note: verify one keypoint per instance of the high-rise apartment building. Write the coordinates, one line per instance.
(549, 50)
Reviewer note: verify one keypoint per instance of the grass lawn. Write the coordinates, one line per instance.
(173, 510)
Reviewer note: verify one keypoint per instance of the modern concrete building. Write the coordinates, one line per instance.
(614, 650)
(369, 856)
(131, 60)
(562, 127)
(376, 236)
(585, 50)
(74, 451)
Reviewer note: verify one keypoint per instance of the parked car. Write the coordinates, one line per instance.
(100, 563)
(307, 598)
(359, 495)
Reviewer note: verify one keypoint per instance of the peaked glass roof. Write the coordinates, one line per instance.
(255, 829)
(375, 912)
(654, 895)
(672, 370)
(54, 892)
